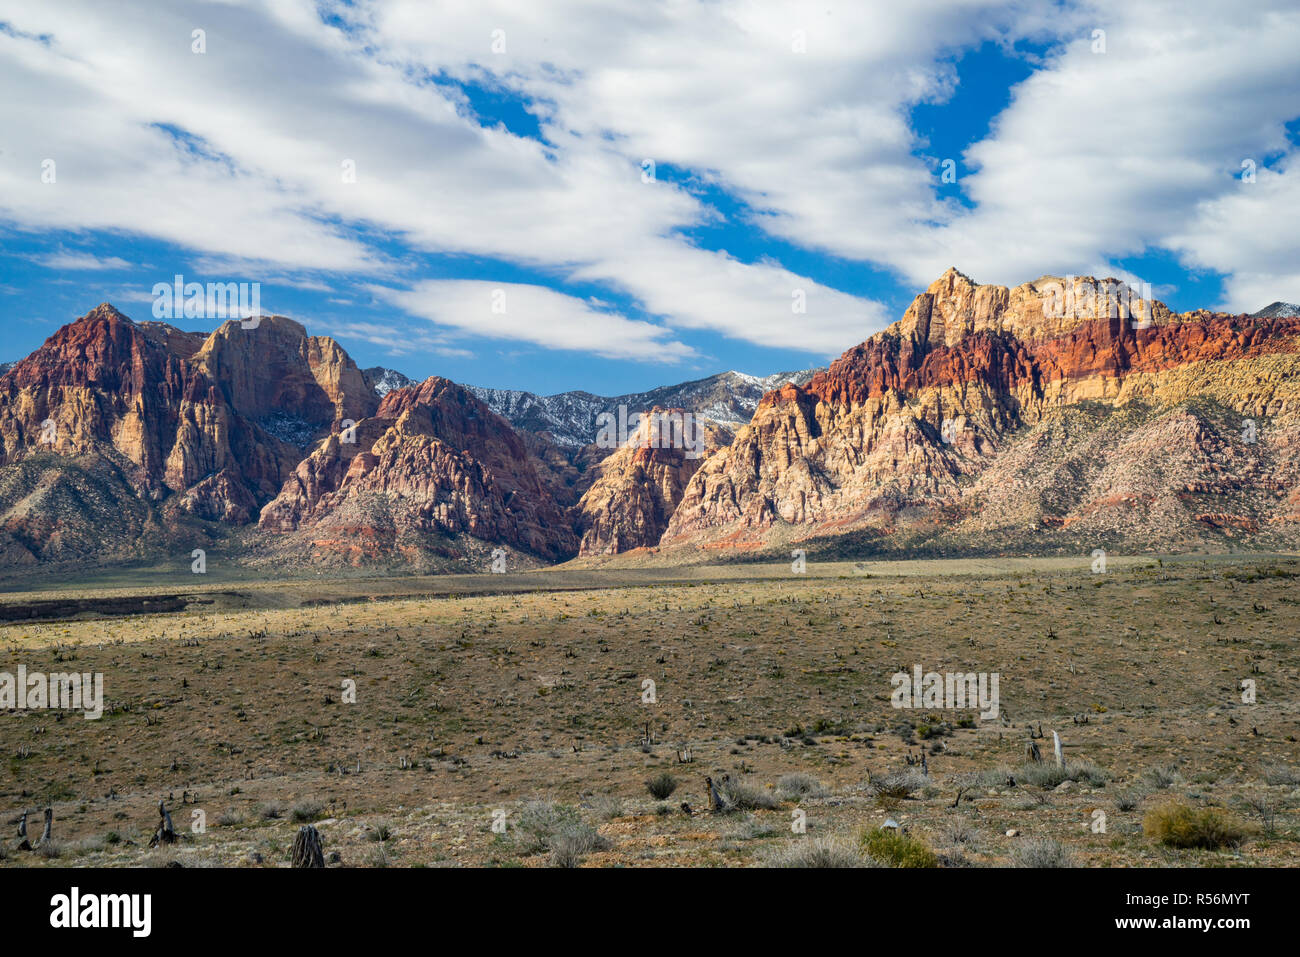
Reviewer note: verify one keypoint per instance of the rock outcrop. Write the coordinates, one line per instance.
(1024, 411)
(638, 486)
(432, 467)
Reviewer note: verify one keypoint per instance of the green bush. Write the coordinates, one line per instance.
(889, 848)
(1181, 825)
(661, 786)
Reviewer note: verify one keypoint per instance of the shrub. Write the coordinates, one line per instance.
(305, 811)
(1181, 825)
(557, 828)
(1128, 800)
(815, 852)
(741, 795)
(1281, 774)
(1046, 774)
(960, 832)
(796, 787)
(1161, 778)
(896, 785)
(573, 842)
(539, 821)
(606, 806)
(889, 848)
(270, 811)
(661, 786)
(1041, 852)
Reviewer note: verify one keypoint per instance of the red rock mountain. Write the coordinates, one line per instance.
(118, 439)
(433, 465)
(983, 421)
(637, 487)
(986, 420)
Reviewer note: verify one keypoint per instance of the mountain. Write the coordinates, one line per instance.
(986, 420)
(432, 469)
(384, 381)
(122, 440)
(1282, 310)
(635, 490)
(569, 418)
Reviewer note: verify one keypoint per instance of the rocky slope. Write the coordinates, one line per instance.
(637, 487)
(983, 421)
(569, 418)
(432, 467)
(123, 440)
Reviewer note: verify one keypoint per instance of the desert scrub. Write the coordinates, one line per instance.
(305, 811)
(892, 788)
(751, 828)
(605, 807)
(1045, 774)
(1283, 775)
(889, 848)
(815, 852)
(559, 830)
(1161, 778)
(1041, 852)
(741, 795)
(572, 843)
(661, 786)
(1128, 800)
(796, 787)
(1181, 825)
(269, 811)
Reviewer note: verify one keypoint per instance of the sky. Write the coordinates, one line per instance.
(612, 196)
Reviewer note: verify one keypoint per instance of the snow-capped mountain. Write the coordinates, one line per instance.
(384, 381)
(728, 398)
(1278, 310)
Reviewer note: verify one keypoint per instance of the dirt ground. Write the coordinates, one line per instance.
(521, 702)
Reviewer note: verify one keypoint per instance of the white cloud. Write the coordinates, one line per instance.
(536, 314)
(80, 261)
(1097, 157)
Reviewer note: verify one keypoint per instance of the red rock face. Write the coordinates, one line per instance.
(434, 465)
(950, 429)
(637, 489)
(210, 425)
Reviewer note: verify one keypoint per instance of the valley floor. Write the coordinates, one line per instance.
(522, 699)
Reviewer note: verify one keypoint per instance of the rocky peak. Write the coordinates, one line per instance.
(273, 373)
(955, 307)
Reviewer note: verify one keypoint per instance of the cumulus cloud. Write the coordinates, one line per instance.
(527, 313)
(296, 145)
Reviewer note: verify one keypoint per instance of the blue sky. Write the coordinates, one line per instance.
(500, 155)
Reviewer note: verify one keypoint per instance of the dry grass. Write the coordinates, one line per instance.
(472, 704)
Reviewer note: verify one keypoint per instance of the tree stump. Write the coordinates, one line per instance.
(307, 851)
(166, 834)
(49, 825)
(23, 843)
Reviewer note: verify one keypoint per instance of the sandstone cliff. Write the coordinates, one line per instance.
(925, 434)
